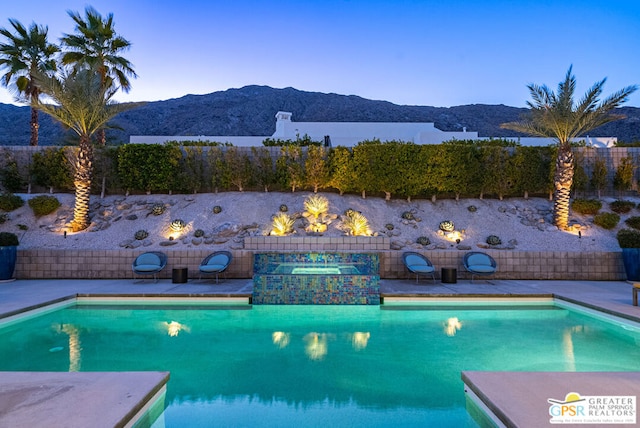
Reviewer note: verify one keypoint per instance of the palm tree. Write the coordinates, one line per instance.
(81, 103)
(96, 44)
(25, 53)
(557, 116)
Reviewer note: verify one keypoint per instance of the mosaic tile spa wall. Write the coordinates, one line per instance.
(316, 279)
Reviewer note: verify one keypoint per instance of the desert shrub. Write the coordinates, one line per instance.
(423, 240)
(10, 202)
(586, 206)
(628, 238)
(607, 220)
(43, 205)
(493, 240)
(633, 222)
(408, 215)
(141, 235)
(621, 207)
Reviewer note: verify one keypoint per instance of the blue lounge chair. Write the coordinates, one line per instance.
(149, 263)
(215, 263)
(418, 264)
(478, 263)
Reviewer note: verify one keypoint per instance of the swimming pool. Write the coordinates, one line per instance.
(237, 365)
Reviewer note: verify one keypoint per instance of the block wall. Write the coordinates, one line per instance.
(116, 264)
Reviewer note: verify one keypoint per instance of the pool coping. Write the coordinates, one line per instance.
(109, 399)
(520, 399)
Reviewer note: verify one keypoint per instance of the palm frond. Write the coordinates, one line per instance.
(557, 116)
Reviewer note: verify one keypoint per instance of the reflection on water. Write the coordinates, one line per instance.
(451, 326)
(174, 328)
(359, 340)
(316, 345)
(280, 338)
(75, 346)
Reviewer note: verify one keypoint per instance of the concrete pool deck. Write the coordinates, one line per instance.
(614, 297)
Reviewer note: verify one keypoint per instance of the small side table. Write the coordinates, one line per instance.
(449, 275)
(179, 275)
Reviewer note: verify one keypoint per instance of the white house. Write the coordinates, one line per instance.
(349, 134)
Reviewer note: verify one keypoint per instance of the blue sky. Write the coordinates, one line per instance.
(436, 53)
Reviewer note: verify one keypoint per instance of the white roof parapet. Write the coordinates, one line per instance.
(351, 133)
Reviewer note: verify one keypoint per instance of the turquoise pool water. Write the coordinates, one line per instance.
(316, 365)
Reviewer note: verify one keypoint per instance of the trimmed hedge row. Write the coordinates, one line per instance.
(392, 169)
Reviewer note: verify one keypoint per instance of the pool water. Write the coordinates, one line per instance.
(316, 365)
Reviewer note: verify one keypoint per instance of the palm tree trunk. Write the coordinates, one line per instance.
(34, 127)
(102, 136)
(82, 182)
(562, 181)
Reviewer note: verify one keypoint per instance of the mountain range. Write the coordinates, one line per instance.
(251, 110)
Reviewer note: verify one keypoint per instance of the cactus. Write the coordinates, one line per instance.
(447, 226)
(493, 240)
(177, 225)
(141, 234)
(423, 240)
(284, 208)
(198, 233)
(389, 226)
(472, 208)
(217, 209)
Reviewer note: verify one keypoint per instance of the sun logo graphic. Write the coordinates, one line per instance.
(605, 409)
(572, 406)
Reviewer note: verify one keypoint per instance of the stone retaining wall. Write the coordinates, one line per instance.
(116, 264)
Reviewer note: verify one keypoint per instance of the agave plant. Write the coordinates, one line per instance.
(282, 224)
(494, 240)
(356, 224)
(141, 234)
(177, 225)
(447, 226)
(316, 205)
(157, 209)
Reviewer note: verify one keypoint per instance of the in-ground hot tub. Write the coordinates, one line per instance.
(316, 279)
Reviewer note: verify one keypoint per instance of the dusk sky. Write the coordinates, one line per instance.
(435, 53)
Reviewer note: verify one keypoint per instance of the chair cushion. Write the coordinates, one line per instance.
(421, 268)
(146, 268)
(478, 259)
(220, 259)
(211, 268)
(413, 260)
(482, 268)
(148, 259)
